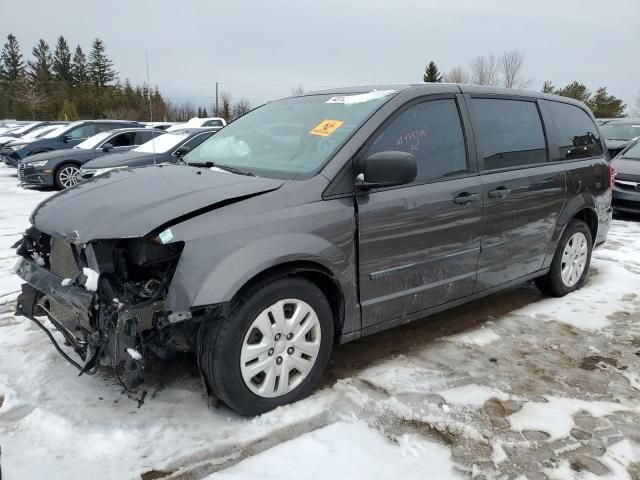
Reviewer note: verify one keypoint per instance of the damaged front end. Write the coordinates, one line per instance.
(106, 297)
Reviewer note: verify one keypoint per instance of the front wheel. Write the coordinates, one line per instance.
(570, 264)
(67, 176)
(272, 348)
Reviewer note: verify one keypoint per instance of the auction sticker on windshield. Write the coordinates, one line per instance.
(326, 127)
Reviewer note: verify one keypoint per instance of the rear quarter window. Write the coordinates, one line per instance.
(576, 135)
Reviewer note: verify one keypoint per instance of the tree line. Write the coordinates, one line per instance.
(506, 70)
(69, 84)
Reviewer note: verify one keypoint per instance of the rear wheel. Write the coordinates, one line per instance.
(67, 175)
(570, 264)
(272, 347)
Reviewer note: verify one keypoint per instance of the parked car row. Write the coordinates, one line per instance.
(313, 221)
(53, 153)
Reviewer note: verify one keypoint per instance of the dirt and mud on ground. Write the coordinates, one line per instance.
(514, 386)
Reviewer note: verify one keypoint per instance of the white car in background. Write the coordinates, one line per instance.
(196, 122)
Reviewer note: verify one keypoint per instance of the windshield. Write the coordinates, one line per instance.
(620, 131)
(289, 138)
(38, 132)
(22, 129)
(92, 142)
(162, 143)
(633, 153)
(60, 130)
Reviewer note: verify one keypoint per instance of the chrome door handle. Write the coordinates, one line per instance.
(500, 192)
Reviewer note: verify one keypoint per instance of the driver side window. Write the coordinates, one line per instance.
(83, 131)
(432, 132)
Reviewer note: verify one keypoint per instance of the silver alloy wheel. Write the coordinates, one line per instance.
(68, 176)
(574, 259)
(280, 348)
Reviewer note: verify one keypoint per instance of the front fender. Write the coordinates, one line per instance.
(203, 280)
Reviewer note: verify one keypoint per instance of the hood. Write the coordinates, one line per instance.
(128, 159)
(627, 169)
(132, 203)
(23, 141)
(617, 144)
(79, 154)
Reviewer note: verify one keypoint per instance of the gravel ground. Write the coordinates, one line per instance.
(514, 386)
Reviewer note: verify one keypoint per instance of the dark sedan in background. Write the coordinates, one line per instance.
(66, 136)
(619, 133)
(28, 131)
(60, 168)
(626, 189)
(165, 149)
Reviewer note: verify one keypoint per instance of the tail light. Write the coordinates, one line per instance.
(612, 174)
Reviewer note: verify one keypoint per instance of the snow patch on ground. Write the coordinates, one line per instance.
(554, 416)
(479, 337)
(347, 450)
(473, 396)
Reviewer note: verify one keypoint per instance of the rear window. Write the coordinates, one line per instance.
(509, 132)
(576, 134)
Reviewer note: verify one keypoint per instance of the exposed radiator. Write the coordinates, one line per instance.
(63, 264)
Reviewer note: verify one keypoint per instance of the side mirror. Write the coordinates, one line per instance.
(106, 147)
(387, 169)
(181, 152)
(66, 138)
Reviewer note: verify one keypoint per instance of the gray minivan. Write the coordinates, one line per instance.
(312, 221)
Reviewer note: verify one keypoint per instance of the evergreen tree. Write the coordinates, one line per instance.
(548, 87)
(40, 68)
(11, 58)
(79, 70)
(604, 105)
(199, 112)
(68, 111)
(101, 70)
(62, 61)
(204, 112)
(432, 74)
(575, 90)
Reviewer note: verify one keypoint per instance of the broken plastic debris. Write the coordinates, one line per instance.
(133, 353)
(92, 279)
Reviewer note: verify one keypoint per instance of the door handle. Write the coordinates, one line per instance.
(465, 198)
(500, 192)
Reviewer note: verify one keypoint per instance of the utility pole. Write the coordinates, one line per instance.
(216, 98)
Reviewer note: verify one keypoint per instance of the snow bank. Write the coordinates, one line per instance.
(347, 450)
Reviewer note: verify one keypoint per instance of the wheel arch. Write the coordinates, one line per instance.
(312, 271)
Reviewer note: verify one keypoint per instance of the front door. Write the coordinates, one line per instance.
(419, 244)
(523, 192)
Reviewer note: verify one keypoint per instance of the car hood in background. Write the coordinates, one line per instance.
(627, 169)
(616, 144)
(126, 159)
(79, 154)
(132, 203)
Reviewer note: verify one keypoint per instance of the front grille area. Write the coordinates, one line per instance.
(21, 171)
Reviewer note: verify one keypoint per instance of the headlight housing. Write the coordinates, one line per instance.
(39, 163)
(15, 148)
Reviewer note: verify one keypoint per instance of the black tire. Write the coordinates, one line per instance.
(59, 179)
(222, 342)
(552, 283)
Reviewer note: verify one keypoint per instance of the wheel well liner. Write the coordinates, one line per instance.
(317, 274)
(589, 217)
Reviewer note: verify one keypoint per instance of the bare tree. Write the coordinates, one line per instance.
(510, 65)
(456, 75)
(180, 112)
(225, 106)
(241, 107)
(635, 111)
(484, 70)
(299, 90)
(28, 94)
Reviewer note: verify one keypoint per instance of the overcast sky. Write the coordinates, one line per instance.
(260, 50)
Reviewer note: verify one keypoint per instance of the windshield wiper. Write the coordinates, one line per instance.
(235, 170)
